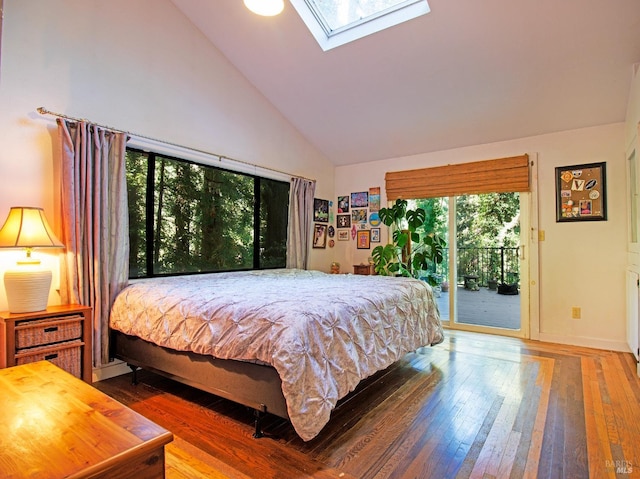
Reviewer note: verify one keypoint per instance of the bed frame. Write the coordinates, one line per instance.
(256, 386)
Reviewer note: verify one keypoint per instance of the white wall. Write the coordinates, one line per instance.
(141, 66)
(137, 66)
(632, 124)
(633, 110)
(633, 249)
(581, 264)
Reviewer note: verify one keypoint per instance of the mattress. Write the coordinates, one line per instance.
(322, 333)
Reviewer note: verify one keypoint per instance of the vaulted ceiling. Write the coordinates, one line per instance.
(470, 72)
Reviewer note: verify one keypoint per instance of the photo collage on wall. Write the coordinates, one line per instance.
(356, 220)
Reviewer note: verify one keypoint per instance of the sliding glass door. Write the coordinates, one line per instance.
(486, 278)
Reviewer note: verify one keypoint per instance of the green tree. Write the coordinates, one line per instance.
(498, 219)
(273, 222)
(136, 193)
(184, 188)
(488, 220)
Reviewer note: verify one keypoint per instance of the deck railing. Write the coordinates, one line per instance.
(501, 264)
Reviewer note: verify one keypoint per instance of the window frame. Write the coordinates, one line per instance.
(329, 38)
(152, 154)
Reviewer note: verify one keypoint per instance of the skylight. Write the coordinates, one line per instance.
(336, 22)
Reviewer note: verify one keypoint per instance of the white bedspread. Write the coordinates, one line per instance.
(322, 333)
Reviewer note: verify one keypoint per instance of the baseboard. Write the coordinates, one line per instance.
(596, 343)
(111, 370)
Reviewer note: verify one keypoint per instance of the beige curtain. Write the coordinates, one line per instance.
(300, 220)
(94, 223)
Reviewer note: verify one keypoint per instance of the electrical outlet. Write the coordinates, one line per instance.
(575, 313)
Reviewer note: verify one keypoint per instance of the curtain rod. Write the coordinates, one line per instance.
(43, 111)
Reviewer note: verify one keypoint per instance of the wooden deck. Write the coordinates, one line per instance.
(483, 308)
(476, 405)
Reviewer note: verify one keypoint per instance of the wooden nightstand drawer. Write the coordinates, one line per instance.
(30, 334)
(61, 334)
(67, 356)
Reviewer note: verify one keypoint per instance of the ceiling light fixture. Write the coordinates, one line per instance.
(266, 8)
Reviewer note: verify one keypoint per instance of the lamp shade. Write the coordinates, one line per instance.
(27, 227)
(267, 8)
(27, 286)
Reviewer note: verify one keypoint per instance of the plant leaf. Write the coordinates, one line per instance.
(400, 208)
(416, 218)
(386, 216)
(401, 238)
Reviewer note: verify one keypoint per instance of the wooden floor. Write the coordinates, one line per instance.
(475, 406)
(483, 308)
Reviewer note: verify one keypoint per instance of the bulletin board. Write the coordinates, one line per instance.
(581, 193)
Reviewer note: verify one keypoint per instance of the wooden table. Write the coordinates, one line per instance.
(53, 425)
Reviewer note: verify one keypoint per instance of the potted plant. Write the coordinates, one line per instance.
(470, 280)
(408, 254)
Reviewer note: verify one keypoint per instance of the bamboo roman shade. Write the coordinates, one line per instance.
(503, 175)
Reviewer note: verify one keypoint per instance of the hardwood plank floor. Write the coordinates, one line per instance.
(475, 406)
(482, 308)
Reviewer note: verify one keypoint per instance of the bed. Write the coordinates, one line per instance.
(287, 342)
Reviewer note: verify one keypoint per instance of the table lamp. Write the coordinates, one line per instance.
(28, 285)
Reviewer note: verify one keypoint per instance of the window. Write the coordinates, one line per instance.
(336, 22)
(186, 217)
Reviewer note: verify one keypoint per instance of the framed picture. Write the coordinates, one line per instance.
(343, 235)
(344, 221)
(320, 210)
(374, 199)
(364, 239)
(359, 215)
(319, 236)
(343, 204)
(360, 199)
(581, 193)
(375, 235)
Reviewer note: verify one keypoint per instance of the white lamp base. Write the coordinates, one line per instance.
(27, 289)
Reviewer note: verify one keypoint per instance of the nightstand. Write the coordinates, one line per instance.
(364, 269)
(60, 334)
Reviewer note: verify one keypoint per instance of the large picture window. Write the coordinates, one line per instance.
(191, 218)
